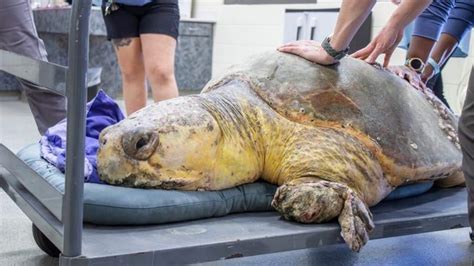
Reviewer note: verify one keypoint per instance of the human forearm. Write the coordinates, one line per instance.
(351, 16)
(441, 52)
(460, 19)
(406, 12)
(388, 38)
(427, 28)
(420, 47)
(429, 23)
(458, 24)
(444, 48)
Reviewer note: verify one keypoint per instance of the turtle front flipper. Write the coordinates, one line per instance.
(312, 200)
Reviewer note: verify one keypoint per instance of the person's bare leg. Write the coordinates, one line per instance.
(132, 68)
(158, 54)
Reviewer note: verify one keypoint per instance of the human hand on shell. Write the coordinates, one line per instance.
(309, 50)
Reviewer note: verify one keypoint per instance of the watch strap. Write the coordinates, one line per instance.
(338, 55)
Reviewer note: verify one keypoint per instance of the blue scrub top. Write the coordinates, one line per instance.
(454, 17)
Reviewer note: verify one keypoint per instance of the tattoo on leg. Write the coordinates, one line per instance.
(121, 42)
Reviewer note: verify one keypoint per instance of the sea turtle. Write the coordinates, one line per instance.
(335, 139)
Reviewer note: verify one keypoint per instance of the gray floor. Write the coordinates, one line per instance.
(17, 246)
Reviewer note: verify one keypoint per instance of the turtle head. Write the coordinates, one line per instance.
(170, 145)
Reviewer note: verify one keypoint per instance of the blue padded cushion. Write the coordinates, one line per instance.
(410, 190)
(112, 205)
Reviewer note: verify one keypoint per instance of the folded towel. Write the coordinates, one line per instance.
(101, 112)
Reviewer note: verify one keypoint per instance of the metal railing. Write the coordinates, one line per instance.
(30, 191)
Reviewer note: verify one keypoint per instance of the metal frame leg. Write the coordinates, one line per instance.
(76, 94)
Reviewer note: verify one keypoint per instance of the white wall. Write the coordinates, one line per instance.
(207, 9)
(243, 30)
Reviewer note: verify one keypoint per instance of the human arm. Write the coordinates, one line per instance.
(420, 47)
(428, 27)
(351, 16)
(388, 39)
(458, 24)
(441, 52)
(426, 31)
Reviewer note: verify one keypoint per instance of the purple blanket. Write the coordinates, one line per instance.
(101, 112)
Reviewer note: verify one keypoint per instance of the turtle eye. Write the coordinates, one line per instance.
(139, 143)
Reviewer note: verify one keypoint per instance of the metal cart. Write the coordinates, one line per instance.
(58, 218)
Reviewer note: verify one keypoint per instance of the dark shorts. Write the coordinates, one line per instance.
(132, 21)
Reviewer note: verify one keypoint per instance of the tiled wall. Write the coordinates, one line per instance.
(243, 30)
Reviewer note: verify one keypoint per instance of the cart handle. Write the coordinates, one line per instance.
(78, 59)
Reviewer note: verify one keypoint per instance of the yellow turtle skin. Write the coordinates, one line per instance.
(336, 140)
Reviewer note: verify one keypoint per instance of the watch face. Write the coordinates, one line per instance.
(416, 63)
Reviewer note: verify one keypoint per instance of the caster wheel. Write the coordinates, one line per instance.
(44, 243)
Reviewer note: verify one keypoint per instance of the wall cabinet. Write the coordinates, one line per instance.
(318, 24)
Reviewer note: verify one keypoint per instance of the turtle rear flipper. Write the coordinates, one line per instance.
(456, 179)
(312, 200)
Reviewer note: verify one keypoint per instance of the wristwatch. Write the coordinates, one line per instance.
(415, 64)
(338, 55)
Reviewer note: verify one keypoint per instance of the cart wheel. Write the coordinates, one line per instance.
(44, 243)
